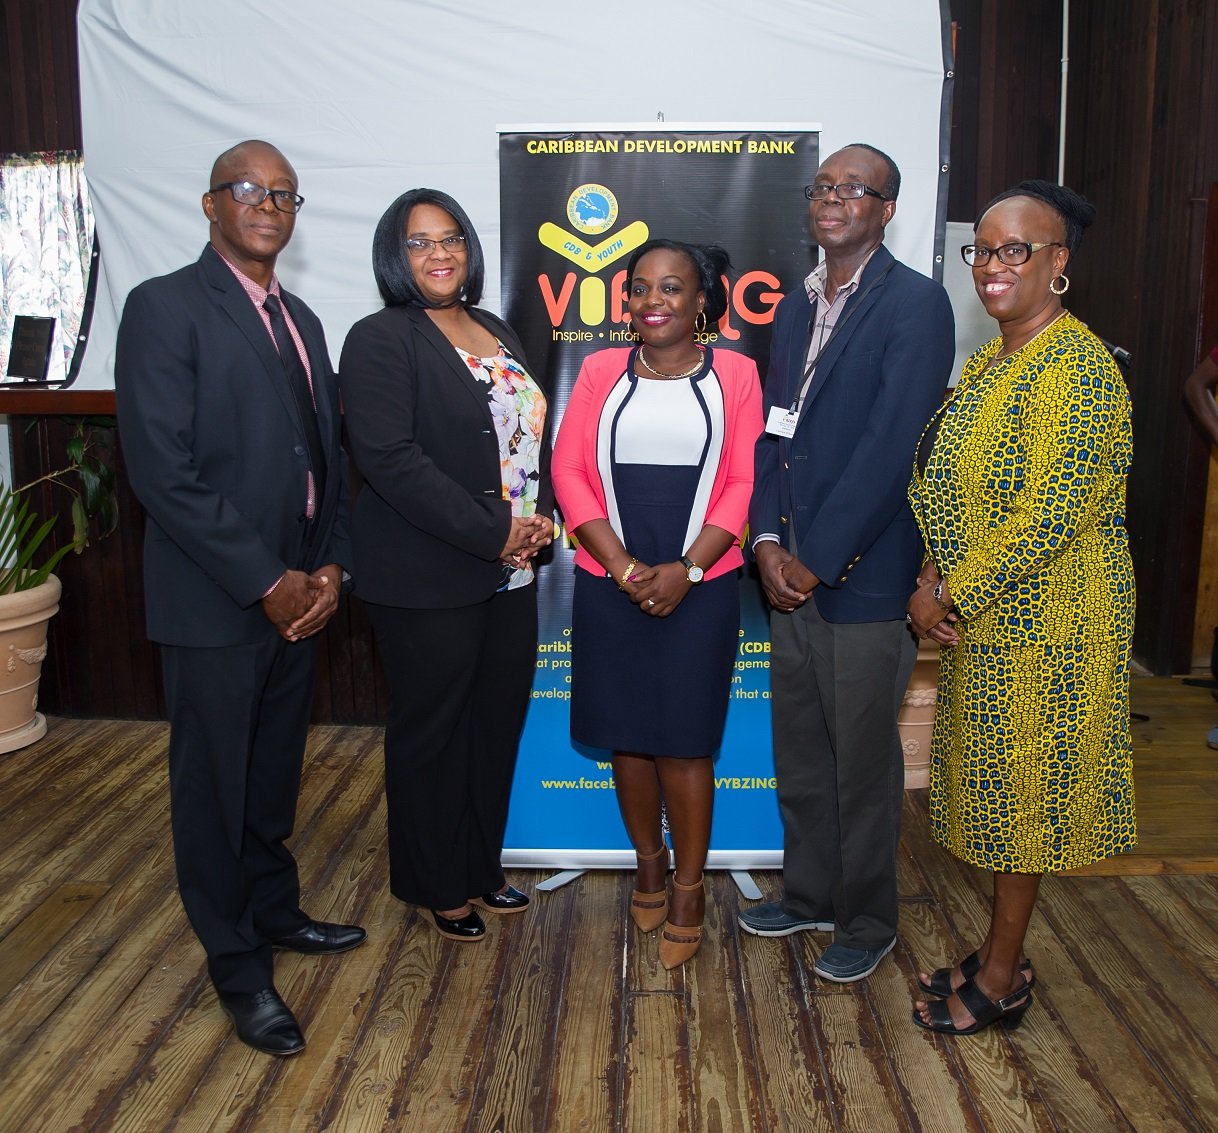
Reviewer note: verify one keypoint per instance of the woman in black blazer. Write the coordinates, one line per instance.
(449, 431)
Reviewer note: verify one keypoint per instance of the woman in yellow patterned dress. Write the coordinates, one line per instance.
(1019, 489)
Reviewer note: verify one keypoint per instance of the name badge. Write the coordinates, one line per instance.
(782, 422)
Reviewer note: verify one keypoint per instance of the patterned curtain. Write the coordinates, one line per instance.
(46, 238)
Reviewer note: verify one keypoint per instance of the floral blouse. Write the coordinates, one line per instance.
(518, 411)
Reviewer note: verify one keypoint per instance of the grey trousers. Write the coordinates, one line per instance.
(836, 689)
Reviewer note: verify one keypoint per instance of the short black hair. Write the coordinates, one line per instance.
(710, 261)
(892, 183)
(1076, 211)
(391, 263)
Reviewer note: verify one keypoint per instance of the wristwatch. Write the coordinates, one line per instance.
(937, 595)
(692, 570)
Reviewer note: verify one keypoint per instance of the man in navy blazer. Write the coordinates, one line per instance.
(228, 413)
(860, 357)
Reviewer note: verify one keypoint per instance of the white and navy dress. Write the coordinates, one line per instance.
(642, 684)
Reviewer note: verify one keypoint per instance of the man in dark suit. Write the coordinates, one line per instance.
(228, 412)
(860, 356)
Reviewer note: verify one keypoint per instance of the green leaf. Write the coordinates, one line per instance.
(80, 525)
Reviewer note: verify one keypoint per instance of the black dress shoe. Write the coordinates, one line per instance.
(466, 929)
(319, 938)
(509, 900)
(263, 1021)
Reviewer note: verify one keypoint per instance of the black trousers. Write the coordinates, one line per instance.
(459, 683)
(239, 720)
(836, 691)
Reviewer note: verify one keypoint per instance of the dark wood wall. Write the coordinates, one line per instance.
(39, 83)
(1006, 99)
(1143, 145)
(1142, 134)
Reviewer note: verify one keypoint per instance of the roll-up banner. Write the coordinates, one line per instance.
(575, 202)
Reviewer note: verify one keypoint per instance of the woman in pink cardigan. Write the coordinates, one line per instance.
(653, 468)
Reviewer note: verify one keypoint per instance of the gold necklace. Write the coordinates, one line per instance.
(660, 373)
(1002, 356)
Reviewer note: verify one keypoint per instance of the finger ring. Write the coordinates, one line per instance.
(651, 601)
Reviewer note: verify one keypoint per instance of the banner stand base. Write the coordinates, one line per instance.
(747, 886)
(744, 882)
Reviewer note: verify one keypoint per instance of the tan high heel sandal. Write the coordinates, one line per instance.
(679, 942)
(650, 910)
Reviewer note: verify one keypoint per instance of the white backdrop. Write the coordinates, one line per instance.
(372, 97)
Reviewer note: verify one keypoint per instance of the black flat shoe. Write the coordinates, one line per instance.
(940, 982)
(320, 938)
(263, 1021)
(1008, 1012)
(466, 929)
(507, 900)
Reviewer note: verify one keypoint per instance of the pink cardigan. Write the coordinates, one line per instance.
(577, 481)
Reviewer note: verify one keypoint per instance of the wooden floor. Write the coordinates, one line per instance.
(563, 1019)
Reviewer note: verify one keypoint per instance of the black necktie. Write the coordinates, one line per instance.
(298, 382)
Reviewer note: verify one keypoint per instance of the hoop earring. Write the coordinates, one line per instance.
(702, 320)
(1065, 285)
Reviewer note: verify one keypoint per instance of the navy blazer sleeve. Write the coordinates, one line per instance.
(765, 508)
(916, 349)
(157, 366)
(216, 454)
(839, 483)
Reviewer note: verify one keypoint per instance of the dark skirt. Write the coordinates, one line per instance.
(654, 686)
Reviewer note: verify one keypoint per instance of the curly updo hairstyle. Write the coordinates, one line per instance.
(1076, 211)
(711, 263)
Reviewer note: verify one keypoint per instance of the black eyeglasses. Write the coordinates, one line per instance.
(419, 246)
(1012, 255)
(846, 191)
(247, 193)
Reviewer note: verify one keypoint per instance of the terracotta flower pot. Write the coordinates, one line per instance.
(23, 645)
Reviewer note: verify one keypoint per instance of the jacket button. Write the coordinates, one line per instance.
(843, 579)
(786, 464)
(299, 450)
(782, 519)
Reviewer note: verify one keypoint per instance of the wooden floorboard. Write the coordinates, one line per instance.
(564, 1021)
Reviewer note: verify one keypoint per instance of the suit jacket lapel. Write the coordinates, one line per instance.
(237, 306)
(853, 314)
(448, 353)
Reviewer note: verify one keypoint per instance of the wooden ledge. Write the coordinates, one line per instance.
(16, 401)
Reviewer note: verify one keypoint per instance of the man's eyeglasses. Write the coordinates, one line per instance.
(247, 193)
(1012, 255)
(418, 246)
(846, 191)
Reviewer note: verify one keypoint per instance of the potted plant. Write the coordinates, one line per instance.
(29, 593)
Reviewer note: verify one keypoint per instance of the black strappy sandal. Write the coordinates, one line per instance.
(940, 982)
(1008, 1012)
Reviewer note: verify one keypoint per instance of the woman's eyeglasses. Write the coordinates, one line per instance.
(418, 246)
(1012, 255)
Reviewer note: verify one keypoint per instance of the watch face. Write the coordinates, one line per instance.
(694, 574)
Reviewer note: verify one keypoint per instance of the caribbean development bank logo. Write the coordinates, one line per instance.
(592, 210)
(601, 305)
